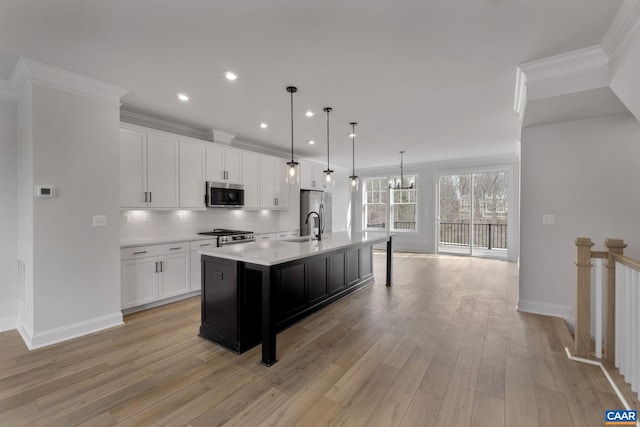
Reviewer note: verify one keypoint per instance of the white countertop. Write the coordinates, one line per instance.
(272, 252)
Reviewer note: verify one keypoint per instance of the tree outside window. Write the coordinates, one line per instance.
(396, 207)
(375, 203)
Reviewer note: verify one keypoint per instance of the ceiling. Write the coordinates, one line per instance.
(430, 77)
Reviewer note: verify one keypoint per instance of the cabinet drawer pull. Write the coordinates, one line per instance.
(175, 249)
(265, 237)
(138, 253)
(206, 244)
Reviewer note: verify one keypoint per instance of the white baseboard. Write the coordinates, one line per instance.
(64, 333)
(8, 323)
(547, 309)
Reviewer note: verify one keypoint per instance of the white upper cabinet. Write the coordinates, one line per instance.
(224, 164)
(192, 175)
(274, 191)
(267, 183)
(311, 176)
(162, 171)
(148, 170)
(133, 169)
(251, 180)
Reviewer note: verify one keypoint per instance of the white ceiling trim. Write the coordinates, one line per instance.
(623, 26)
(164, 125)
(28, 70)
(222, 137)
(7, 91)
(520, 101)
(570, 64)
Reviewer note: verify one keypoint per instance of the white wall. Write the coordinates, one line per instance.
(76, 267)
(586, 174)
(8, 215)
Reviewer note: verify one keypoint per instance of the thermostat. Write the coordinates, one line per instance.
(45, 191)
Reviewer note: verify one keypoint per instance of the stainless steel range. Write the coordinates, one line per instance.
(230, 237)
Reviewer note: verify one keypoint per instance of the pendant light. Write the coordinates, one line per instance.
(328, 178)
(293, 171)
(399, 183)
(353, 177)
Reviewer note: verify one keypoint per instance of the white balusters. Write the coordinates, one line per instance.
(628, 324)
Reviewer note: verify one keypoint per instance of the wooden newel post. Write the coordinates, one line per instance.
(615, 247)
(583, 297)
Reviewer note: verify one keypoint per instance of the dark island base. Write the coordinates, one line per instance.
(233, 302)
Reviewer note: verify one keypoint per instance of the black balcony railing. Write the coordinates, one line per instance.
(490, 236)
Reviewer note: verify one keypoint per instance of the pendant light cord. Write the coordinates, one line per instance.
(291, 126)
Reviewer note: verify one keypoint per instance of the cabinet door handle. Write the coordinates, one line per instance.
(139, 253)
(150, 195)
(206, 244)
(157, 266)
(161, 266)
(175, 249)
(145, 197)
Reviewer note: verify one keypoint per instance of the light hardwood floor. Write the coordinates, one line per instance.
(443, 347)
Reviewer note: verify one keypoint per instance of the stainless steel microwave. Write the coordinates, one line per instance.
(224, 195)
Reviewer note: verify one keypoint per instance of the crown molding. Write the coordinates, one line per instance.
(520, 100)
(221, 137)
(262, 149)
(7, 90)
(164, 125)
(566, 65)
(623, 26)
(28, 71)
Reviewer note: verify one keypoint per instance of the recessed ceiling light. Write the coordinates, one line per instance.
(183, 97)
(309, 113)
(263, 125)
(311, 142)
(230, 75)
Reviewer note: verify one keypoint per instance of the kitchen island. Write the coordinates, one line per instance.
(252, 291)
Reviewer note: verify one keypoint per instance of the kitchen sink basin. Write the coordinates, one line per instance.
(302, 239)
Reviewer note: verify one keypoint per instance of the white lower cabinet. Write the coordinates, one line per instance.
(196, 265)
(153, 273)
(139, 282)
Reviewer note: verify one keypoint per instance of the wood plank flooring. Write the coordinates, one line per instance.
(443, 347)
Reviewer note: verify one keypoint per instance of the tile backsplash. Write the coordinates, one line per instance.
(141, 224)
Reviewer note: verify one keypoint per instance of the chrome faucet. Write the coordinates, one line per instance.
(319, 235)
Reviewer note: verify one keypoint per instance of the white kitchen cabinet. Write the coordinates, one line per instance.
(154, 272)
(192, 175)
(133, 168)
(251, 179)
(274, 191)
(311, 175)
(224, 164)
(174, 274)
(261, 237)
(149, 170)
(162, 171)
(284, 235)
(139, 281)
(196, 265)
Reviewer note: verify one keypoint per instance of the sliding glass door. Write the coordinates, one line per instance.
(473, 213)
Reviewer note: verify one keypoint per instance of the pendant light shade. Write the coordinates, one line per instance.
(293, 169)
(398, 184)
(354, 179)
(328, 173)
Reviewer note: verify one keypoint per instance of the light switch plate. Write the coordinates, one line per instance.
(99, 220)
(548, 219)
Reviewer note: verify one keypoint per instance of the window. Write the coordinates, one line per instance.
(396, 207)
(404, 204)
(375, 203)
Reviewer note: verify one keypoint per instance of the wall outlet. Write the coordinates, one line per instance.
(147, 217)
(99, 220)
(548, 219)
(126, 218)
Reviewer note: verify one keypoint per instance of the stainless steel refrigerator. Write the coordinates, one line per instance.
(319, 202)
